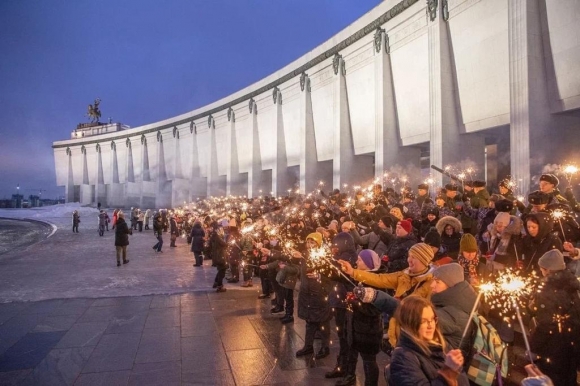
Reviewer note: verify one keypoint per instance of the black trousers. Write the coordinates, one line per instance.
(312, 328)
(340, 322)
(221, 273)
(370, 366)
(198, 258)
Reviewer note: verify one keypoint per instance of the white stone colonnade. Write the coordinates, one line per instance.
(406, 85)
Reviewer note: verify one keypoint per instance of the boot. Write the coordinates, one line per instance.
(371, 373)
(322, 353)
(307, 350)
(287, 319)
(126, 261)
(337, 372)
(220, 289)
(347, 380)
(215, 284)
(118, 263)
(247, 284)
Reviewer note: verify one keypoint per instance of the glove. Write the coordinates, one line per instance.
(365, 294)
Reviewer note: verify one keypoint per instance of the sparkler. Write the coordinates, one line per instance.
(484, 289)
(569, 171)
(558, 214)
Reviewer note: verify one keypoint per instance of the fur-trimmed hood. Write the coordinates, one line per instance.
(514, 227)
(448, 220)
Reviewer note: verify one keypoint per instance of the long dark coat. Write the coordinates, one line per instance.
(313, 304)
(534, 247)
(122, 233)
(197, 234)
(217, 247)
(558, 344)
(398, 251)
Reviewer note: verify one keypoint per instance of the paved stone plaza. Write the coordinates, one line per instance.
(70, 316)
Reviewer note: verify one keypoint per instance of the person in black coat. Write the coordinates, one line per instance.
(539, 239)
(363, 328)
(556, 311)
(343, 248)
(122, 232)
(218, 248)
(398, 246)
(313, 305)
(197, 242)
(421, 356)
(158, 231)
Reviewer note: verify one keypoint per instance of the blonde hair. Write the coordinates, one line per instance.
(409, 315)
(120, 214)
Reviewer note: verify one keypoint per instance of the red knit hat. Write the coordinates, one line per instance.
(406, 225)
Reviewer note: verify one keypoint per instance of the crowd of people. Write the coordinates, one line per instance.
(396, 270)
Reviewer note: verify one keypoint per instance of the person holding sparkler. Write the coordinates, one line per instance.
(539, 239)
(218, 246)
(343, 248)
(453, 298)
(422, 356)
(556, 310)
(197, 235)
(313, 306)
(415, 280)
(422, 194)
(362, 331)
(549, 185)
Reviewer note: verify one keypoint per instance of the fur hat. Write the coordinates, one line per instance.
(479, 184)
(422, 252)
(450, 274)
(423, 186)
(505, 183)
(504, 205)
(496, 197)
(432, 238)
(467, 243)
(406, 225)
(538, 198)
(387, 220)
(433, 210)
(550, 178)
(503, 218)
(317, 237)
(552, 260)
(370, 258)
(451, 187)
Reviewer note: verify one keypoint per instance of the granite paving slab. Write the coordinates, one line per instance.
(83, 334)
(29, 351)
(112, 378)
(153, 374)
(114, 352)
(59, 367)
(159, 345)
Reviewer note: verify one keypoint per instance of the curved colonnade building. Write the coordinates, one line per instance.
(410, 83)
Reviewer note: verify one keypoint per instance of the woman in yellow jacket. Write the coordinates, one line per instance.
(415, 280)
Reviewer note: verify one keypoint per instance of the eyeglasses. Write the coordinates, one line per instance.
(426, 322)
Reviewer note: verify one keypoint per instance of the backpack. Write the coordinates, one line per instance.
(490, 361)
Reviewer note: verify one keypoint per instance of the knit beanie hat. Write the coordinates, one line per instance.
(450, 274)
(422, 252)
(406, 225)
(503, 218)
(467, 243)
(433, 238)
(387, 220)
(317, 237)
(370, 258)
(552, 260)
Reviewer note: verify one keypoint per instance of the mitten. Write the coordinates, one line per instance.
(365, 294)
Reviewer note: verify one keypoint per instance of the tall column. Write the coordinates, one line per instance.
(529, 105)
(308, 156)
(145, 174)
(177, 170)
(70, 187)
(233, 171)
(100, 190)
(161, 170)
(130, 175)
(388, 149)
(255, 172)
(85, 166)
(280, 181)
(114, 164)
(197, 184)
(212, 167)
(447, 144)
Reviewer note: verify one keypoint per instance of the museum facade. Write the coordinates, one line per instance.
(409, 84)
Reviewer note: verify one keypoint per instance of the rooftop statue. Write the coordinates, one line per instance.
(93, 111)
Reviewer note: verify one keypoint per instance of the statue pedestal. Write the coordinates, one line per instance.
(87, 194)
